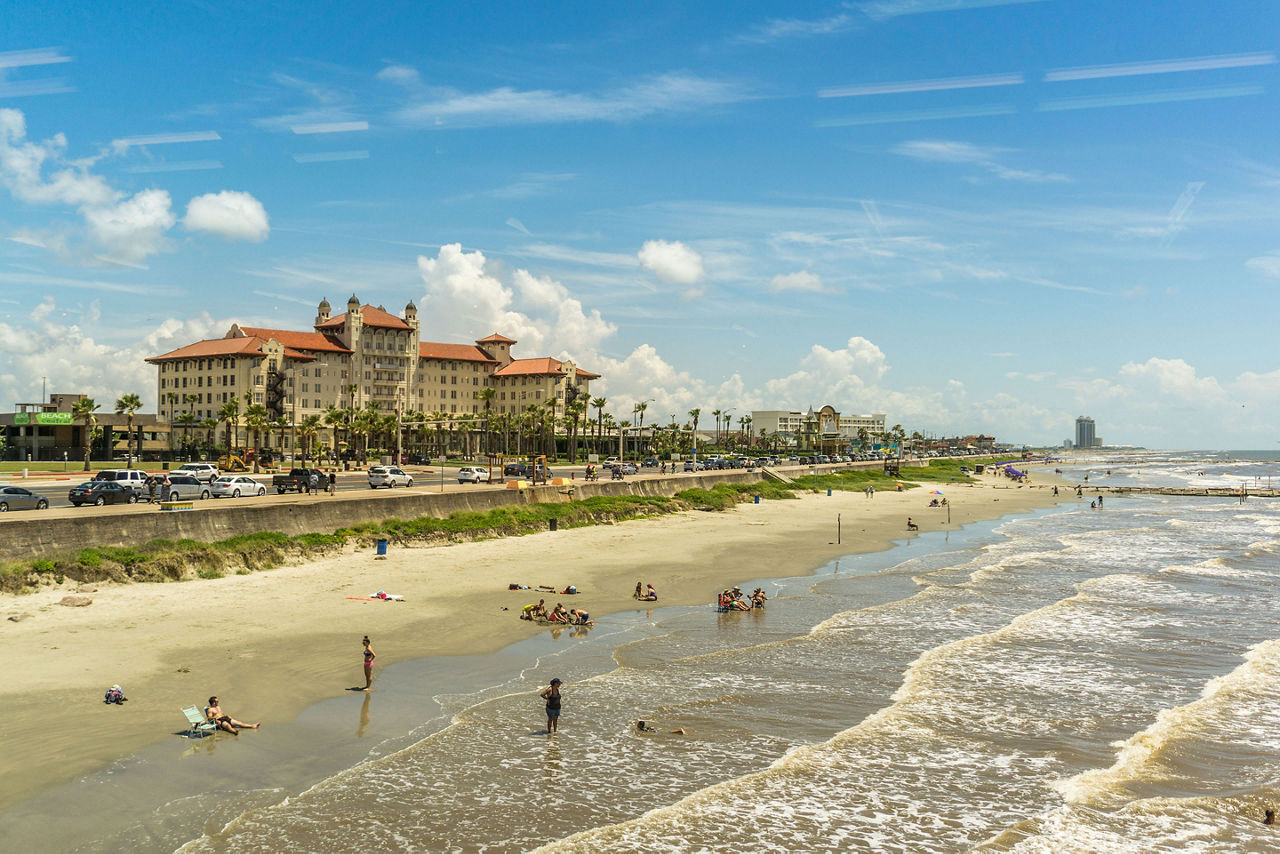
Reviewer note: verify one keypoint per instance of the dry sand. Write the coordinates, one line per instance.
(271, 643)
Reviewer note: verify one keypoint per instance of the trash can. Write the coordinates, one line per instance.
(757, 501)
(828, 493)
(382, 548)
(165, 465)
(555, 524)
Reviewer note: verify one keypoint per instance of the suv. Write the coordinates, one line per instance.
(185, 487)
(203, 472)
(473, 474)
(131, 479)
(388, 476)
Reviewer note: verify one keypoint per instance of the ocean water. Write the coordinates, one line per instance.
(1074, 680)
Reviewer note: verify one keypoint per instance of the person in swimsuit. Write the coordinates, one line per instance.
(552, 695)
(224, 721)
(650, 595)
(369, 656)
(641, 726)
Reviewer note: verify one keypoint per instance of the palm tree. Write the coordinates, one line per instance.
(208, 425)
(639, 412)
(486, 396)
(126, 405)
(598, 403)
(230, 415)
(744, 423)
(693, 416)
(83, 410)
(574, 412)
(172, 397)
(187, 420)
(308, 429)
(717, 413)
(337, 419)
(256, 418)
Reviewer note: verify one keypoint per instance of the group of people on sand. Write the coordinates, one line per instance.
(735, 600)
(571, 617)
(645, 594)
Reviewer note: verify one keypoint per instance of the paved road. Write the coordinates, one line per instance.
(351, 484)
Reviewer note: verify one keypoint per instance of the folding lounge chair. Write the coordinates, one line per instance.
(200, 727)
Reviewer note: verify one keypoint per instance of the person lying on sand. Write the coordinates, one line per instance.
(213, 712)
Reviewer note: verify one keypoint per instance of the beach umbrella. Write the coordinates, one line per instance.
(936, 492)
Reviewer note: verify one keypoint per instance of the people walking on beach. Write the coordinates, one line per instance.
(552, 695)
(369, 656)
(213, 712)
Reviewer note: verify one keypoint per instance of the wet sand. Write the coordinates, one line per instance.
(271, 643)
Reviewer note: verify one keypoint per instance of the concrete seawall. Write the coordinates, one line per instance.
(36, 537)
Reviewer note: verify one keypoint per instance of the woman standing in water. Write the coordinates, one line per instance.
(552, 695)
(369, 656)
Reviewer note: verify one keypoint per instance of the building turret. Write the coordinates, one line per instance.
(411, 314)
(322, 313)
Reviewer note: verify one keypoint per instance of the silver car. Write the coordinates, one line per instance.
(236, 485)
(473, 474)
(17, 498)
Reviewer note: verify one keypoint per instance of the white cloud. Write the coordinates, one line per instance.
(780, 28)
(799, 281)
(952, 151)
(664, 93)
(134, 228)
(56, 343)
(1173, 377)
(22, 165)
(672, 262)
(1266, 265)
(232, 214)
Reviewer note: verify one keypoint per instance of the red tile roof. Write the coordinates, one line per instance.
(370, 316)
(495, 338)
(298, 340)
(251, 347)
(456, 352)
(525, 367)
(587, 374)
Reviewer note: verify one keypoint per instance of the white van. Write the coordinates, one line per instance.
(132, 479)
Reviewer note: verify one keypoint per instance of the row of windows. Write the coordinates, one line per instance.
(196, 382)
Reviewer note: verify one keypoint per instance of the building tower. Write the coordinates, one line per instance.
(322, 312)
(1085, 436)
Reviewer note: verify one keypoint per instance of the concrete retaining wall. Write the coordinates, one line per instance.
(34, 537)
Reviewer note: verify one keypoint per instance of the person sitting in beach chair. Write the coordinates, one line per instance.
(911, 525)
(758, 598)
(214, 714)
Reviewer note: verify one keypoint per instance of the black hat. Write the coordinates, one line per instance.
(555, 681)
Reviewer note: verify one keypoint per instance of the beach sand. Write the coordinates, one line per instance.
(269, 644)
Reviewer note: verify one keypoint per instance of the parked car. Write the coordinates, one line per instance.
(236, 485)
(690, 465)
(17, 498)
(132, 479)
(101, 492)
(515, 470)
(203, 472)
(388, 476)
(185, 487)
(473, 474)
(629, 468)
(611, 461)
(650, 463)
(299, 480)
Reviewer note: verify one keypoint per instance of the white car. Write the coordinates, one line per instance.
(203, 472)
(473, 474)
(235, 485)
(388, 476)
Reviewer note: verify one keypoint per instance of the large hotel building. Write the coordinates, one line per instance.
(366, 354)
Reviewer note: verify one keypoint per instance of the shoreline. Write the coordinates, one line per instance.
(281, 640)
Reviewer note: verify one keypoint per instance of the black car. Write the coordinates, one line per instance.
(515, 470)
(102, 492)
(650, 463)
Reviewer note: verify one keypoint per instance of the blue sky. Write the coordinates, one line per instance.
(971, 215)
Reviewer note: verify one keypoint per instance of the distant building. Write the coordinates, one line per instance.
(809, 428)
(1085, 436)
(47, 431)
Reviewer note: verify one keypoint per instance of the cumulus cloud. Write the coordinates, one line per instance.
(799, 281)
(1173, 377)
(672, 262)
(60, 344)
(232, 214)
(122, 229)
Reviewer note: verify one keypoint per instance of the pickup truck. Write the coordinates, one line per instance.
(298, 480)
